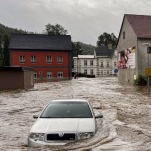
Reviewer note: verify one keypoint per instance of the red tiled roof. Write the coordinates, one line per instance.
(141, 25)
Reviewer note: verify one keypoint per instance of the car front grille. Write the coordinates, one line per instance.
(61, 136)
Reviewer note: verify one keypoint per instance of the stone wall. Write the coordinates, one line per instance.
(126, 75)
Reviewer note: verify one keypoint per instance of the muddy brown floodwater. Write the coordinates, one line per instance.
(126, 125)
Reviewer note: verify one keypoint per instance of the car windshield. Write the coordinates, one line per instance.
(67, 110)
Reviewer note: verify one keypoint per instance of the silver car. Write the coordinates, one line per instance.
(63, 121)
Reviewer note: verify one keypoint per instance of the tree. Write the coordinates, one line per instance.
(55, 29)
(6, 61)
(106, 39)
(76, 49)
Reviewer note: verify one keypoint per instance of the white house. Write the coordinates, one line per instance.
(102, 63)
(134, 43)
(85, 64)
(106, 60)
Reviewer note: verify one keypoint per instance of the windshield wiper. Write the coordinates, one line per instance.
(46, 117)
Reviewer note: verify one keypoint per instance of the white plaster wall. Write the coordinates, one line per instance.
(129, 41)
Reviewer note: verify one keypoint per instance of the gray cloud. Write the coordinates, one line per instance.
(85, 20)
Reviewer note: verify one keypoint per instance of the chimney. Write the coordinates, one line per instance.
(109, 46)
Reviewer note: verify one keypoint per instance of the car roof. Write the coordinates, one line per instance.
(69, 100)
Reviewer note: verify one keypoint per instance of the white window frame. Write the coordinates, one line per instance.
(91, 71)
(110, 71)
(60, 59)
(85, 71)
(22, 59)
(33, 59)
(60, 74)
(49, 75)
(85, 62)
(108, 64)
(49, 59)
(115, 64)
(102, 64)
(91, 62)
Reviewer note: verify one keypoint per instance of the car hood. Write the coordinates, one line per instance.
(46, 125)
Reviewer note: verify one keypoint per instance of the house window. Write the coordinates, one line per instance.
(114, 64)
(60, 59)
(107, 71)
(33, 59)
(60, 75)
(49, 75)
(123, 34)
(85, 62)
(85, 71)
(35, 75)
(22, 59)
(91, 62)
(101, 71)
(101, 64)
(108, 64)
(91, 71)
(49, 59)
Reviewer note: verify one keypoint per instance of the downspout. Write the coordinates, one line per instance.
(136, 68)
(70, 65)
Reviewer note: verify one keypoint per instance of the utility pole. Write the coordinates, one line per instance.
(148, 52)
(2, 53)
(2, 48)
(77, 66)
(3, 33)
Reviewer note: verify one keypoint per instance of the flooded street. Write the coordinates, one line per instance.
(126, 125)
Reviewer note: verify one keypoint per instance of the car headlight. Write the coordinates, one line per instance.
(37, 136)
(85, 135)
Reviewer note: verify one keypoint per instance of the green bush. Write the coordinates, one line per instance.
(141, 80)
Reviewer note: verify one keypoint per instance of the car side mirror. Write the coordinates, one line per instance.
(35, 116)
(99, 116)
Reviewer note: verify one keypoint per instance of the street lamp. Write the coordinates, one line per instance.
(77, 60)
(147, 45)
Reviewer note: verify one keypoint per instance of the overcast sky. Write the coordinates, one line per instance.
(85, 20)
